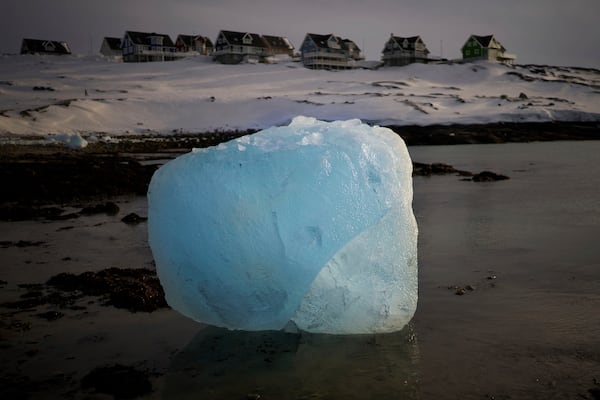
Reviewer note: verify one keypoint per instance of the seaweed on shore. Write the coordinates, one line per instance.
(136, 290)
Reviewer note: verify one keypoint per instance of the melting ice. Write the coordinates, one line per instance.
(310, 223)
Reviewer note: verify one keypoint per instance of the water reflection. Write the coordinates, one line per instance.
(223, 364)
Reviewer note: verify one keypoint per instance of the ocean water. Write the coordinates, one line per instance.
(524, 251)
(530, 248)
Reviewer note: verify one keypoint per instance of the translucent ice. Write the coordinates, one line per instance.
(310, 222)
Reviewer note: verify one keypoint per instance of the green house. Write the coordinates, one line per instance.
(486, 48)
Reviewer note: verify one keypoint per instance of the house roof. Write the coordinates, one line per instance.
(204, 39)
(186, 39)
(483, 40)
(144, 38)
(410, 41)
(237, 38)
(322, 41)
(113, 43)
(278, 42)
(486, 41)
(44, 46)
(349, 44)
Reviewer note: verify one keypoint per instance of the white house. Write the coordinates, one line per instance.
(404, 50)
(329, 52)
(235, 47)
(37, 46)
(196, 44)
(111, 47)
(145, 47)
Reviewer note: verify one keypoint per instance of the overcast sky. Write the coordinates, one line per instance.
(554, 32)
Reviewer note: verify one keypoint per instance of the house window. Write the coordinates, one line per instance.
(467, 52)
(476, 52)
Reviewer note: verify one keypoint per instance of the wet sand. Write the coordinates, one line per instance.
(501, 321)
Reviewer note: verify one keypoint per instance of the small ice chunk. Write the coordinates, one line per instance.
(71, 140)
(310, 223)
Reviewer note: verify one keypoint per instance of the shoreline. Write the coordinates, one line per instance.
(499, 132)
(413, 135)
(52, 173)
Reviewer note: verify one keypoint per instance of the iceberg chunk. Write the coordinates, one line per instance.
(310, 222)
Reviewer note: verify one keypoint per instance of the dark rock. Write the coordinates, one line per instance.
(422, 169)
(120, 381)
(488, 176)
(51, 315)
(66, 177)
(43, 88)
(133, 219)
(523, 96)
(131, 289)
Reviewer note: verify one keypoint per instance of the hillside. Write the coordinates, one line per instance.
(49, 95)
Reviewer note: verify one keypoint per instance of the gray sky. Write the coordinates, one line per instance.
(537, 31)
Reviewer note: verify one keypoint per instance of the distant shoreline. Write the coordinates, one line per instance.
(499, 132)
(53, 173)
(413, 135)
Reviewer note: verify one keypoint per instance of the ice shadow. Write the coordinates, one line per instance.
(223, 364)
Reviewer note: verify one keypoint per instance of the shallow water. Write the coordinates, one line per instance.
(535, 328)
(529, 328)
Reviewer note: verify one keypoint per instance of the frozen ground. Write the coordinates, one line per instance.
(41, 95)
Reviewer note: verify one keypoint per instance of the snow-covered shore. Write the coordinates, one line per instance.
(41, 95)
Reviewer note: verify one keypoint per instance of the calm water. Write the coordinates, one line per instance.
(528, 247)
(535, 328)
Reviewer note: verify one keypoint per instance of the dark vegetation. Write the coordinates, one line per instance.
(133, 289)
(501, 132)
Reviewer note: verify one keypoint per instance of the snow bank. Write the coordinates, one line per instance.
(42, 95)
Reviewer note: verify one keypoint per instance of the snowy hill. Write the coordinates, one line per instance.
(44, 95)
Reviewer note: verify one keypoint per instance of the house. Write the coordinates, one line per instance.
(203, 45)
(36, 46)
(194, 44)
(111, 47)
(236, 47)
(486, 48)
(404, 50)
(329, 52)
(279, 45)
(145, 47)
